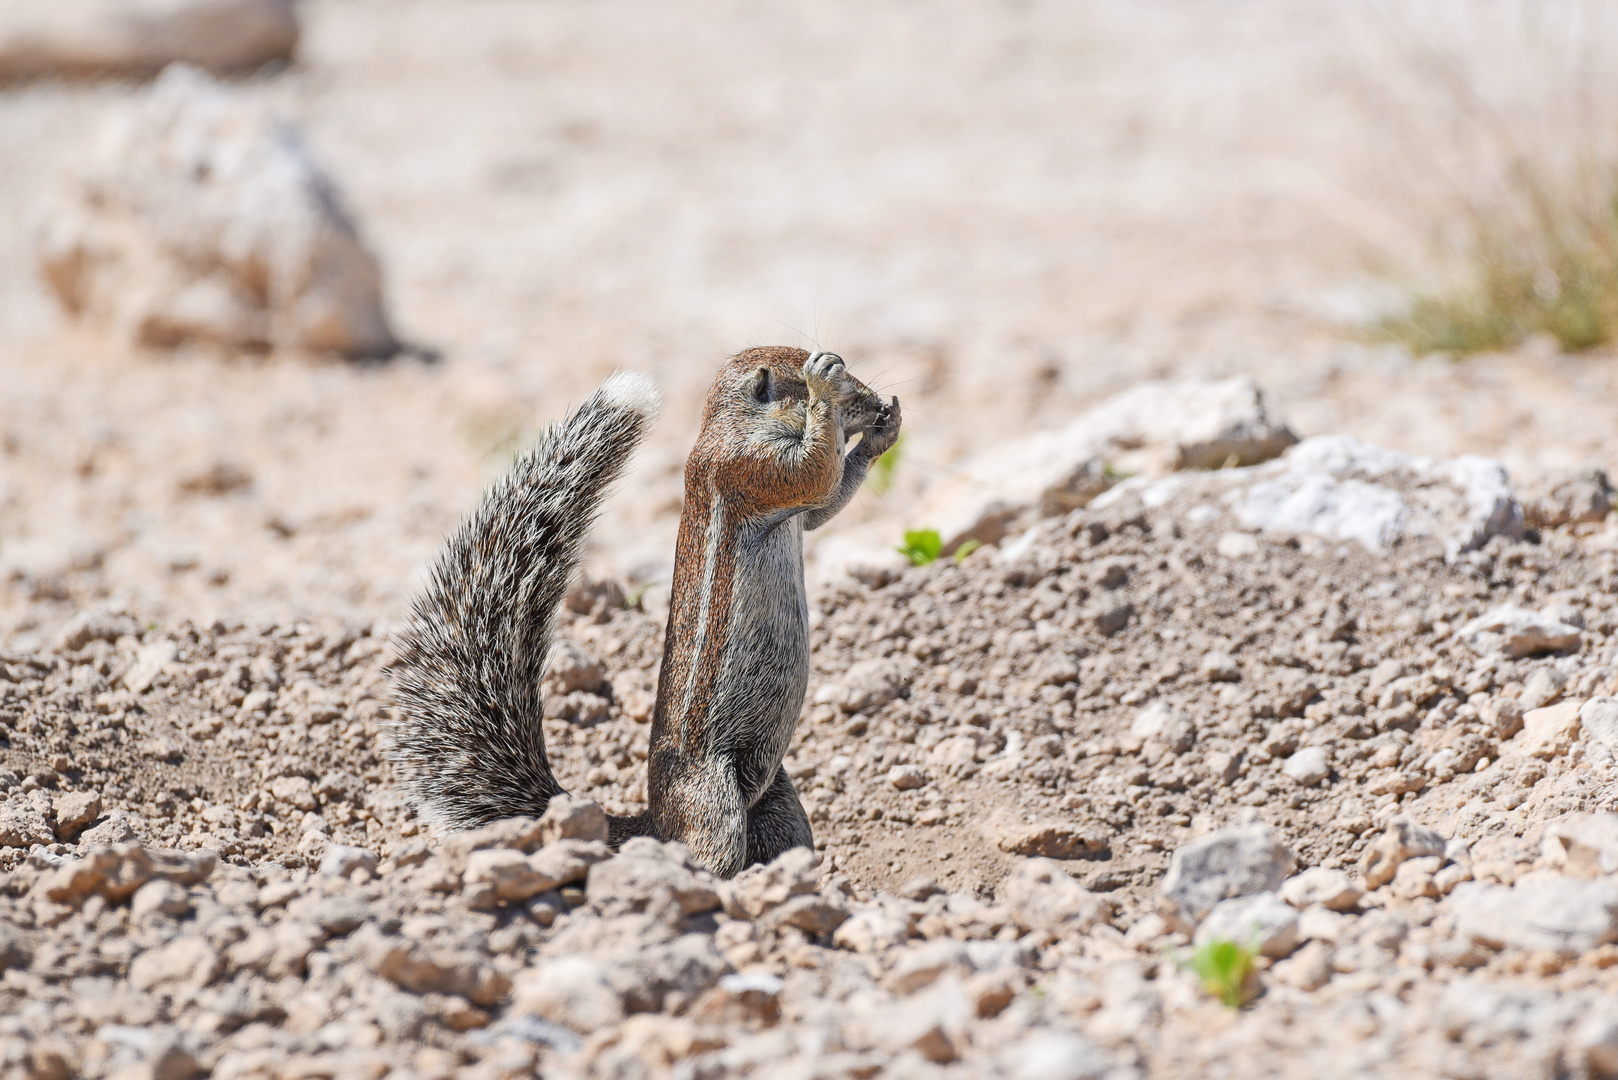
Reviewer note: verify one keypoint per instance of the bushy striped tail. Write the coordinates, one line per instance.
(468, 740)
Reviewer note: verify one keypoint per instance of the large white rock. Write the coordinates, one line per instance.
(203, 219)
(1338, 488)
(1516, 632)
(1263, 922)
(1598, 718)
(1564, 915)
(1154, 427)
(1583, 845)
(1235, 862)
(88, 38)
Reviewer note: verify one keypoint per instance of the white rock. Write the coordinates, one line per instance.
(1322, 885)
(203, 220)
(1158, 721)
(159, 898)
(1562, 915)
(1264, 923)
(1402, 840)
(1226, 864)
(1218, 667)
(1338, 488)
(871, 930)
(907, 777)
(80, 38)
(343, 860)
(1047, 1054)
(1237, 545)
(150, 661)
(1308, 766)
(1516, 632)
(573, 991)
(22, 825)
(1598, 719)
(1544, 686)
(922, 965)
(1043, 896)
(508, 872)
(1582, 845)
(1549, 732)
(1157, 426)
(1341, 488)
(1596, 1040)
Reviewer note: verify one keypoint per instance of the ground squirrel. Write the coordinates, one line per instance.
(769, 463)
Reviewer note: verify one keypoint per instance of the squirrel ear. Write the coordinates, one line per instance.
(761, 385)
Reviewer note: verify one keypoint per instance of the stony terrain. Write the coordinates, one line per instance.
(211, 871)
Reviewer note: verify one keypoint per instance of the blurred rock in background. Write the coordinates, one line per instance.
(139, 38)
(202, 219)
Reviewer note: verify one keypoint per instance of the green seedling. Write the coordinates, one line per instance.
(632, 598)
(1226, 970)
(921, 546)
(880, 476)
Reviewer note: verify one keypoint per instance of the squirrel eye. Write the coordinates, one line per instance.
(761, 385)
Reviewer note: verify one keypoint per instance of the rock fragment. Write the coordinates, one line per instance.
(1046, 839)
(1161, 426)
(1307, 767)
(138, 38)
(759, 890)
(75, 810)
(1262, 922)
(1331, 888)
(867, 684)
(205, 221)
(1042, 896)
(1402, 839)
(343, 861)
(1515, 632)
(22, 824)
(1230, 863)
(1566, 916)
(1549, 732)
(1583, 845)
(573, 991)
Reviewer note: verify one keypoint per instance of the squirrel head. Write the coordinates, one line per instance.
(766, 383)
(757, 405)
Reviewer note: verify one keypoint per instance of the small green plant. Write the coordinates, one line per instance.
(923, 546)
(880, 476)
(1225, 968)
(632, 598)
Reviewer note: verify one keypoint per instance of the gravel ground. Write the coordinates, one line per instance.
(209, 868)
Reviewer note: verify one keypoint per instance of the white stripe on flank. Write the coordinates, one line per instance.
(710, 567)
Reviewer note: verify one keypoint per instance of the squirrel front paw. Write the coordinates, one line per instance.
(827, 376)
(884, 430)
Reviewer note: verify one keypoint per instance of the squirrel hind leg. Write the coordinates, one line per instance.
(777, 822)
(621, 828)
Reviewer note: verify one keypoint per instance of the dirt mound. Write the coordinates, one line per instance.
(1120, 686)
